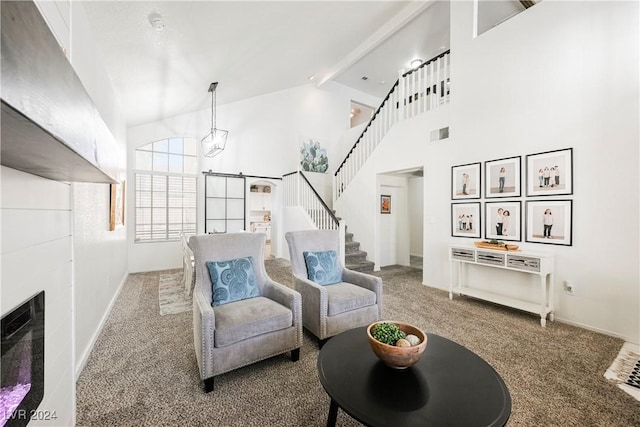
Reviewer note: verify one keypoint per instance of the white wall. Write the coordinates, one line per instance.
(416, 215)
(323, 184)
(293, 219)
(100, 255)
(564, 74)
(561, 74)
(37, 255)
(55, 236)
(265, 135)
(406, 146)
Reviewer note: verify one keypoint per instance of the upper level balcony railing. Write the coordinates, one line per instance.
(415, 92)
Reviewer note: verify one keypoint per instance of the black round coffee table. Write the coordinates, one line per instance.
(449, 385)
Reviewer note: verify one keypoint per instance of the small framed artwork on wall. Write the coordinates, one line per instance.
(465, 181)
(502, 177)
(550, 222)
(503, 220)
(465, 220)
(550, 173)
(116, 206)
(385, 204)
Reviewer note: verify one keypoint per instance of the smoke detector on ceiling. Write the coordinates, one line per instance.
(155, 19)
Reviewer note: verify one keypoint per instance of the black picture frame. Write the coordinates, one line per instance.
(561, 230)
(472, 227)
(543, 178)
(385, 204)
(469, 186)
(503, 177)
(510, 229)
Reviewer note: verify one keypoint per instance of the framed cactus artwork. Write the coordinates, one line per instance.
(313, 158)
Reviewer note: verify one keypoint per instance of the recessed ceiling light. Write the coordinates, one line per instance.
(312, 77)
(415, 63)
(364, 78)
(382, 82)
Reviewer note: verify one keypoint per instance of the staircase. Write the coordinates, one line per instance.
(422, 89)
(354, 258)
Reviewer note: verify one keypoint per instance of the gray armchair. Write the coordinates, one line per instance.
(239, 333)
(330, 309)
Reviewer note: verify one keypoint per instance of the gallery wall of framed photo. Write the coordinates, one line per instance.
(501, 211)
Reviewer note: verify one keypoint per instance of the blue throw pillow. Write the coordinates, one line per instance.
(232, 280)
(322, 267)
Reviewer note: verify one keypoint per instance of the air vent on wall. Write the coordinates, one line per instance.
(439, 134)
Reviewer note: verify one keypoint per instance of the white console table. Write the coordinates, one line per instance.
(524, 262)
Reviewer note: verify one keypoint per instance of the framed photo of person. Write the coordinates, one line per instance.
(550, 173)
(465, 181)
(465, 220)
(549, 221)
(503, 220)
(502, 177)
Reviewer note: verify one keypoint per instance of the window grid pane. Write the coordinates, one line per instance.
(165, 205)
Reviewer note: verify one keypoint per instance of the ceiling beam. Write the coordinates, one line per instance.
(394, 24)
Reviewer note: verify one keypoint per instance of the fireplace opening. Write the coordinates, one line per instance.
(22, 362)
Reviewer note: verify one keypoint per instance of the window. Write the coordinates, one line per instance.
(165, 186)
(360, 113)
(491, 13)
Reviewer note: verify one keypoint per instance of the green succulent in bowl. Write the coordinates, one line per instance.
(387, 333)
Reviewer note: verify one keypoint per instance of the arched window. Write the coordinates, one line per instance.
(165, 186)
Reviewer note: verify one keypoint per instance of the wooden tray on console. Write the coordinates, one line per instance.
(503, 247)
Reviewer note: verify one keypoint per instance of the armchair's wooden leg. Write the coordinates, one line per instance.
(208, 385)
(295, 355)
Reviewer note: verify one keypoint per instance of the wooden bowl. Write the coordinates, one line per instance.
(398, 357)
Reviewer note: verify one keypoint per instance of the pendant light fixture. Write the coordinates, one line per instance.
(214, 142)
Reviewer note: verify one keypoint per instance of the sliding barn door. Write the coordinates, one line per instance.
(225, 209)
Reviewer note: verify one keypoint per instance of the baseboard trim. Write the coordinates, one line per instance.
(85, 356)
(572, 323)
(598, 330)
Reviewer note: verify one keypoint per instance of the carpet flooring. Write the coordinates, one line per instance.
(142, 370)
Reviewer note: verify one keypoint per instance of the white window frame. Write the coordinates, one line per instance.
(154, 174)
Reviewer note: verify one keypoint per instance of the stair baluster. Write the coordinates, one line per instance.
(416, 91)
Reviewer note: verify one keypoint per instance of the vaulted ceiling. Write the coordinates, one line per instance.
(253, 48)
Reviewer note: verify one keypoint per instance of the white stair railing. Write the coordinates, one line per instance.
(417, 91)
(298, 191)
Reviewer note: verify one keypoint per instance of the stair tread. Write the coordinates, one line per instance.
(350, 246)
(356, 254)
(362, 266)
(361, 262)
(355, 259)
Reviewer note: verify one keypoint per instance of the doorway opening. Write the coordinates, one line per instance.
(262, 212)
(401, 220)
